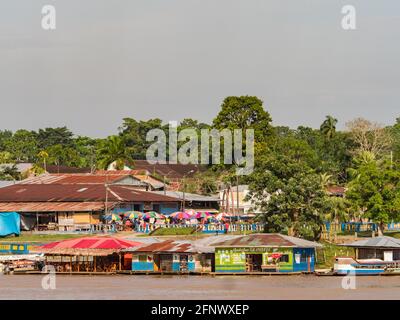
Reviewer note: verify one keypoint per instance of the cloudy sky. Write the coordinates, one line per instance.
(179, 58)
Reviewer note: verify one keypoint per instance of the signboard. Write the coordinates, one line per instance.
(14, 248)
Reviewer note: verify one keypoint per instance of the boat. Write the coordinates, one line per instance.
(369, 267)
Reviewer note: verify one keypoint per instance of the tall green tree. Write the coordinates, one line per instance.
(23, 146)
(51, 136)
(134, 133)
(328, 127)
(113, 149)
(288, 192)
(245, 112)
(375, 190)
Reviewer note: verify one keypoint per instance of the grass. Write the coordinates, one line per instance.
(41, 238)
(326, 255)
(173, 231)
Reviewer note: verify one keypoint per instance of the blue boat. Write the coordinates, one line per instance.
(368, 267)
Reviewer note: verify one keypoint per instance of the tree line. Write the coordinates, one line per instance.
(293, 167)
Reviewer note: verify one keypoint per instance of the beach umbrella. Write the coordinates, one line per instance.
(112, 217)
(223, 215)
(202, 215)
(180, 215)
(191, 213)
(133, 215)
(153, 214)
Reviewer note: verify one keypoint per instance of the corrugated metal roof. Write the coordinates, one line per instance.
(150, 180)
(377, 242)
(189, 196)
(172, 171)
(173, 246)
(78, 192)
(267, 240)
(53, 206)
(73, 179)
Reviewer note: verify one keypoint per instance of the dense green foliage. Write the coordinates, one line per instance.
(293, 167)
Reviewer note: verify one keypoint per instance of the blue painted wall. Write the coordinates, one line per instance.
(303, 265)
(167, 210)
(142, 266)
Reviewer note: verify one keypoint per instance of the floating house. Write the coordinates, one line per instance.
(265, 253)
(172, 256)
(89, 254)
(382, 248)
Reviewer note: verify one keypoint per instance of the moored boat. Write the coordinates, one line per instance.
(347, 265)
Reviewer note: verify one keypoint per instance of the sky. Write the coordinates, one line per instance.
(176, 59)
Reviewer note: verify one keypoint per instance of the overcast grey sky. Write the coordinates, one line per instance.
(179, 58)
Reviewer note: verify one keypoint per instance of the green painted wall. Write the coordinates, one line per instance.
(234, 259)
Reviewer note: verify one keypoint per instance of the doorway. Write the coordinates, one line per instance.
(253, 262)
(183, 263)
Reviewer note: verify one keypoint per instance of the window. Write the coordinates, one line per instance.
(284, 258)
(142, 258)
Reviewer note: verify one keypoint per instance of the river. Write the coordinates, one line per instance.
(197, 287)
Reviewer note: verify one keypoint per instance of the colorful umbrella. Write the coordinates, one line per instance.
(113, 217)
(153, 214)
(201, 215)
(180, 215)
(133, 214)
(191, 213)
(223, 215)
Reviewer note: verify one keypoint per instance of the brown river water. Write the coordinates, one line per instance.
(153, 287)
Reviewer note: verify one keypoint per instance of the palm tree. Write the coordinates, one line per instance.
(113, 149)
(328, 127)
(325, 180)
(43, 155)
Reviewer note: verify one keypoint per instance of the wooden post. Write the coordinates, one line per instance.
(94, 262)
(70, 264)
(120, 261)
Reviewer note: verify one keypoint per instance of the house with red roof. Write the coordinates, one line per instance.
(75, 206)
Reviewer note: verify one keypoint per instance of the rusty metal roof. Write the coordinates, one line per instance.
(53, 206)
(172, 171)
(172, 246)
(78, 192)
(73, 179)
(266, 240)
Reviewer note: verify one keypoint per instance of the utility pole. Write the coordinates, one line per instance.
(184, 189)
(237, 196)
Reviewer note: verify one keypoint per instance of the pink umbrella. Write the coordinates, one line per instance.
(180, 215)
(223, 215)
(201, 215)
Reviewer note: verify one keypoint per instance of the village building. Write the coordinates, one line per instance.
(172, 256)
(173, 173)
(139, 179)
(264, 253)
(77, 206)
(234, 199)
(196, 202)
(383, 248)
(90, 254)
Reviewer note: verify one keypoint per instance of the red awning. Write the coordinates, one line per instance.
(92, 243)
